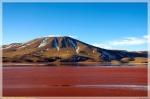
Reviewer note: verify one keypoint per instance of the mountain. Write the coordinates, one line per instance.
(67, 49)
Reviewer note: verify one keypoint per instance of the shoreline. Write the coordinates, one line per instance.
(74, 64)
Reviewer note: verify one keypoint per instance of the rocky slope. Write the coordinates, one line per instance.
(66, 49)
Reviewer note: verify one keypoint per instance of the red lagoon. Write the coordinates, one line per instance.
(75, 81)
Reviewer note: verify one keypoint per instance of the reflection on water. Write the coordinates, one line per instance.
(92, 64)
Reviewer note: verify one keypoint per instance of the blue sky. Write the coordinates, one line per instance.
(75, 0)
(108, 25)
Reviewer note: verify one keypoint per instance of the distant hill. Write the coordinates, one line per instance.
(67, 49)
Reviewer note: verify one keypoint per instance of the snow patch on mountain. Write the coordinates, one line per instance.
(77, 50)
(23, 46)
(93, 51)
(73, 44)
(11, 45)
(43, 43)
(58, 48)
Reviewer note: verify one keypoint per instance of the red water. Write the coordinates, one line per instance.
(75, 81)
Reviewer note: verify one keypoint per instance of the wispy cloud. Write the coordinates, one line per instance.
(128, 41)
(124, 42)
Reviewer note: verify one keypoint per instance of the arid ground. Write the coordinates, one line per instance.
(75, 81)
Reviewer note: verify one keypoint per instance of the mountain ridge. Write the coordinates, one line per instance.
(66, 49)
